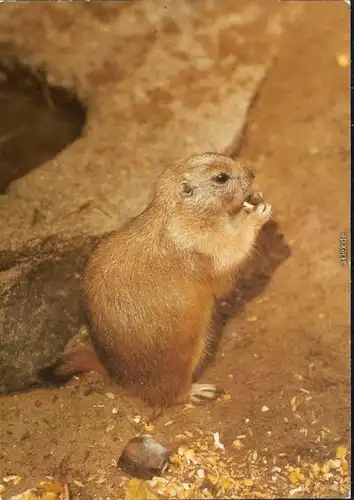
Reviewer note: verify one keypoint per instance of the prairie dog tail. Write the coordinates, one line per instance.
(79, 360)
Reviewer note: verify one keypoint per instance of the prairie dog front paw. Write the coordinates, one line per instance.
(261, 214)
(252, 201)
(256, 198)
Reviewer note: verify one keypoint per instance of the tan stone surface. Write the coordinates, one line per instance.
(161, 80)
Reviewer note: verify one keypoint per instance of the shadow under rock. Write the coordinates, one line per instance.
(40, 307)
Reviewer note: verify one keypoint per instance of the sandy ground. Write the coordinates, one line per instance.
(290, 351)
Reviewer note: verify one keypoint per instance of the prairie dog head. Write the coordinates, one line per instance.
(205, 184)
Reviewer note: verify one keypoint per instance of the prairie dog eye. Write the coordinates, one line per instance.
(221, 178)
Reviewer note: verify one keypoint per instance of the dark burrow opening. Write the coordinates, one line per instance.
(37, 121)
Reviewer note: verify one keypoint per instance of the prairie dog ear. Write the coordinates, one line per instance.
(187, 189)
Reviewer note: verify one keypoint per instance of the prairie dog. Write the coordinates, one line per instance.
(150, 286)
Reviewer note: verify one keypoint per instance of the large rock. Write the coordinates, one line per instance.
(41, 310)
(160, 80)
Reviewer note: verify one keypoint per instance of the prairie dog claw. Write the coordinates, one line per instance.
(264, 210)
(200, 392)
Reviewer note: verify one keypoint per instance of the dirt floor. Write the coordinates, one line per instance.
(286, 367)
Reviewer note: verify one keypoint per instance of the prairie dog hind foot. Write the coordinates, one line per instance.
(204, 392)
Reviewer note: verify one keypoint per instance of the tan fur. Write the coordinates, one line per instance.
(151, 285)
